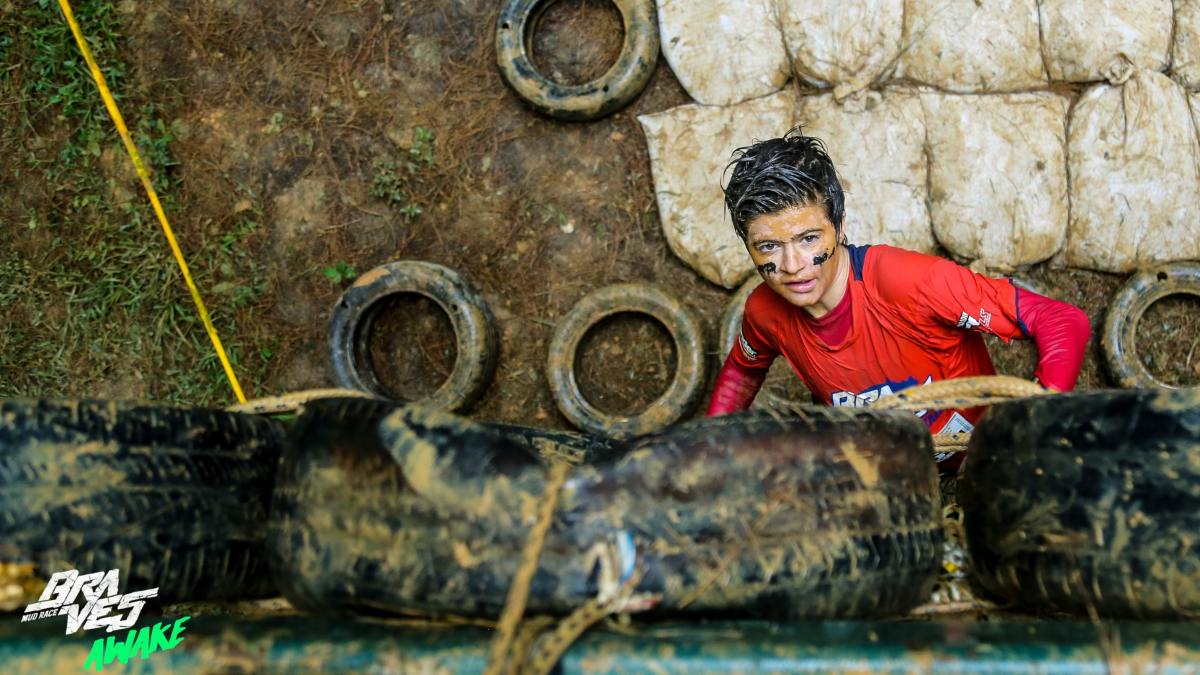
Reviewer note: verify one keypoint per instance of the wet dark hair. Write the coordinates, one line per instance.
(773, 175)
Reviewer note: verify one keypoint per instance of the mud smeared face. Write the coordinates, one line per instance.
(795, 252)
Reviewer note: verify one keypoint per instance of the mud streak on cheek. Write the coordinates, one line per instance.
(766, 269)
(821, 258)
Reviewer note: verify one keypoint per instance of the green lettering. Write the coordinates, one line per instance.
(158, 639)
(142, 645)
(176, 638)
(95, 657)
(118, 650)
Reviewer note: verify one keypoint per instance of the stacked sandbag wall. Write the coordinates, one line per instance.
(1009, 132)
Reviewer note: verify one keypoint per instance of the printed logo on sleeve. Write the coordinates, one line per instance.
(968, 322)
(747, 350)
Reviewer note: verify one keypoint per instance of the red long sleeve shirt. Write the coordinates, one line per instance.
(906, 319)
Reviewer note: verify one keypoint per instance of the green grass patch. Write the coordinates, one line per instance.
(94, 301)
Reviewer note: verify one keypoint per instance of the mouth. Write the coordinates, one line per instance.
(801, 286)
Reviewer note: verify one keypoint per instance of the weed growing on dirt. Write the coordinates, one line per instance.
(94, 302)
(394, 173)
(340, 273)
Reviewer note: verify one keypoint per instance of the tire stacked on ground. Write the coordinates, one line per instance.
(1089, 503)
(825, 513)
(173, 498)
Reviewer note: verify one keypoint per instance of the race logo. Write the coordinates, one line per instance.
(872, 394)
(747, 350)
(91, 601)
(969, 322)
(100, 606)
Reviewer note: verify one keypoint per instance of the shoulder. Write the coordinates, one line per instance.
(898, 274)
(764, 304)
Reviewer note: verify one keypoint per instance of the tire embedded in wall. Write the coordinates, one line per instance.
(827, 513)
(174, 498)
(1089, 502)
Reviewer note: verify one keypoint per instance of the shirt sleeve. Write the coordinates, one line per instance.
(754, 345)
(938, 290)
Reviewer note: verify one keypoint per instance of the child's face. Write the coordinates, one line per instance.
(794, 251)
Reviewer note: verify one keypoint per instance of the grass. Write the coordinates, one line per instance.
(94, 302)
(394, 173)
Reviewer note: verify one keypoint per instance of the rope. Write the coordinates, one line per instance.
(518, 592)
(293, 402)
(144, 175)
(965, 392)
(552, 647)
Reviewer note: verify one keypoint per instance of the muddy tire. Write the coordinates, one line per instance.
(1088, 501)
(474, 329)
(828, 513)
(1130, 303)
(174, 498)
(619, 85)
(731, 320)
(681, 395)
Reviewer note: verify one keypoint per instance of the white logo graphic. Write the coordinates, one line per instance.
(746, 348)
(967, 321)
(100, 607)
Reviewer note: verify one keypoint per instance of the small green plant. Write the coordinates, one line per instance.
(393, 173)
(340, 272)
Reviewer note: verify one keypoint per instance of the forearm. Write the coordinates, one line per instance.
(1061, 333)
(736, 388)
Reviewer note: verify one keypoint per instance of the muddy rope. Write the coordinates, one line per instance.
(289, 403)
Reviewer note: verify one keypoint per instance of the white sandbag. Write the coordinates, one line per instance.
(997, 179)
(1081, 38)
(845, 44)
(723, 51)
(689, 148)
(973, 45)
(877, 143)
(1135, 193)
(1185, 53)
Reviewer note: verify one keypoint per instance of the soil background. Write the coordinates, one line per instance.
(364, 132)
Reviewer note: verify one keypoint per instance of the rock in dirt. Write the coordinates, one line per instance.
(844, 44)
(1080, 38)
(972, 46)
(998, 183)
(1135, 192)
(689, 148)
(1185, 51)
(723, 51)
(877, 143)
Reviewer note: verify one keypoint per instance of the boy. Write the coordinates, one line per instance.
(858, 323)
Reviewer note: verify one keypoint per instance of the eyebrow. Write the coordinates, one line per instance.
(802, 234)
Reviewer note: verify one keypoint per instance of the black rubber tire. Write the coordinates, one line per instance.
(174, 498)
(619, 85)
(1130, 303)
(681, 395)
(345, 518)
(1086, 501)
(474, 329)
(828, 513)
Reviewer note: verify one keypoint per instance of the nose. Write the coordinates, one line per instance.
(792, 259)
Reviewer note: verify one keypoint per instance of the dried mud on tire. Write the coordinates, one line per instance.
(1089, 502)
(821, 514)
(174, 498)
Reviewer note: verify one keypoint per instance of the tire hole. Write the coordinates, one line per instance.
(504, 25)
(411, 346)
(1162, 276)
(576, 41)
(625, 362)
(1172, 325)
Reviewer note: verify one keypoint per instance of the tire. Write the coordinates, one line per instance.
(619, 85)
(681, 395)
(1128, 306)
(474, 329)
(731, 320)
(175, 498)
(1088, 502)
(829, 513)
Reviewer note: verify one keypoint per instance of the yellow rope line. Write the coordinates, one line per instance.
(143, 174)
